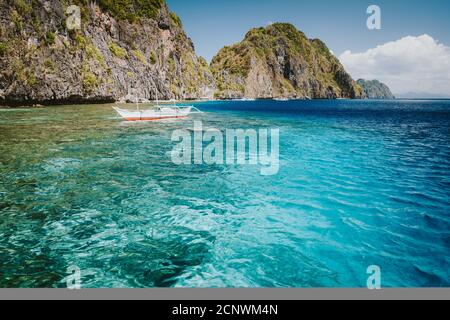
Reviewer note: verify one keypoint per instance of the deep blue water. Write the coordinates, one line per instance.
(360, 183)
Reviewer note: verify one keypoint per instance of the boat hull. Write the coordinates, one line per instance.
(151, 119)
(154, 115)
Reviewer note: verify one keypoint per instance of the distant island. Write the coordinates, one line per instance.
(374, 89)
(139, 49)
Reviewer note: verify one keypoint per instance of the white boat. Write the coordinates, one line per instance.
(156, 112)
(281, 99)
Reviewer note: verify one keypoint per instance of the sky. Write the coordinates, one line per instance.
(377, 54)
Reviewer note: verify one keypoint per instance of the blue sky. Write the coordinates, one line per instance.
(212, 24)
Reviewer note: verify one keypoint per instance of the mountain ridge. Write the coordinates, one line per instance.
(138, 49)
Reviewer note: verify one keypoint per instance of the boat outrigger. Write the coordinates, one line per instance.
(156, 113)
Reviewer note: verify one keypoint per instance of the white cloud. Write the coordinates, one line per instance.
(411, 64)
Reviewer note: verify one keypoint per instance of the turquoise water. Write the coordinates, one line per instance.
(360, 183)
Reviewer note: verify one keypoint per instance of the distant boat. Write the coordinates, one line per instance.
(245, 99)
(281, 99)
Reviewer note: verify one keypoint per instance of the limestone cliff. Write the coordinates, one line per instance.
(281, 62)
(375, 89)
(124, 49)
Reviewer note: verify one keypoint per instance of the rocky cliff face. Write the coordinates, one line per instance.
(375, 89)
(124, 49)
(281, 62)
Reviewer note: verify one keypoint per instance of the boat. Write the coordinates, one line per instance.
(156, 112)
(245, 99)
(281, 99)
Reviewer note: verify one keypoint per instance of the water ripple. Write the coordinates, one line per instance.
(361, 183)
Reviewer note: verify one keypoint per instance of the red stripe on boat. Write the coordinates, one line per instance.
(153, 119)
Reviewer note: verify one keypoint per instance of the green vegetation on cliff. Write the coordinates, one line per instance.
(176, 20)
(117, 51)
(131, 10)
(4, 49)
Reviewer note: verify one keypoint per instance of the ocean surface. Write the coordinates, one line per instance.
(361, 183)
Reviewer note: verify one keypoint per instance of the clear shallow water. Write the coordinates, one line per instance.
(361, 183)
